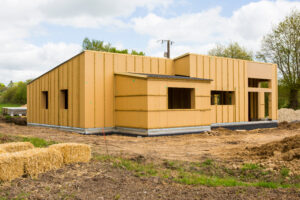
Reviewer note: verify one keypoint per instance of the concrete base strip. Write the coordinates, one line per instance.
(247, 125)
(162, 131)
(165, 131)
(77, 130)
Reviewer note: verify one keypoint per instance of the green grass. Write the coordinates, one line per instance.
(250, 166)
(38, 142)
(284, 172)
(8, 105)
(172, 170)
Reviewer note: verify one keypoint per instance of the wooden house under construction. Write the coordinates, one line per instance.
(98, 91)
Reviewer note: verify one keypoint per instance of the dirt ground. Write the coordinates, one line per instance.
(101, 181)
(220, 144)
(98, 180)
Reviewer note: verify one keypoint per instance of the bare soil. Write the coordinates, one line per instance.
(97, 180)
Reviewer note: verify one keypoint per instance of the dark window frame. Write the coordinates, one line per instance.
(181, 98)
(64, 99)
(222, 97)
(45, 96)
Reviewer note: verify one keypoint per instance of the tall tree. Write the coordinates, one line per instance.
(282, 46)
(99, 45)
(233, 50)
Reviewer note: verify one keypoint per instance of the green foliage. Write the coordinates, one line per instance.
(189, 173)
(8, 105)
(233, 50)
(250, 166)
(284, 172)
(98, 45)
(38, 142)
(282, 46)
(14, 93)
(207, 162)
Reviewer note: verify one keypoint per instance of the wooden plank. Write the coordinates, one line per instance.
(206, 67)
(200, 67)
(154, 66)
(146, 65)
(138, 64)
(109, 92)
(161, 66)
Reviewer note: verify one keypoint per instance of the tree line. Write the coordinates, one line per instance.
(14, 93)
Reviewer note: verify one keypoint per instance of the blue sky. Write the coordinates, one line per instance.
(38, 35)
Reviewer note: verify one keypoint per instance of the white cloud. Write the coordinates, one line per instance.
(198, 32)
(20, 20)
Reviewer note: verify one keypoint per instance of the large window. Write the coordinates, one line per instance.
(64, 99)
(181, 98)
(222, 97)
(45, 99)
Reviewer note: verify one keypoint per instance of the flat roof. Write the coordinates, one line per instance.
(162, 76)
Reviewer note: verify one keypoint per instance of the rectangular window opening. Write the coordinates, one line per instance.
(181, 98)
(258, 83)
(64, 99)
(222, 98)
(45, 101)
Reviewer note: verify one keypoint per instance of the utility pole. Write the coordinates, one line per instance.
(169, 43)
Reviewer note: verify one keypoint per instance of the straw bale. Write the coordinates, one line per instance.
(2, 151)
(40, 160)
(73, 152)
(16, 146)
(11, 166)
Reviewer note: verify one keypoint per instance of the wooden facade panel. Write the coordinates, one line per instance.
(169, 67)
(218, 74)
(99, 90)
(89, 108)
(90, 81)
(75, 94)
(154, 66)
(161, 66)
(146, 65)
(225, 114)
(119, 62)
(138, 64)
(206, 64)
(200, 70)
(130, 64)
(224, 74)
(242, 90)
(129, 86)
(109, 91)
(230, 75)
(131, 103)
(213, 116)
(128, 119)
(212, 72)
(192, 68)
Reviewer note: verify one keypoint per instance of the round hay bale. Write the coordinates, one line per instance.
(73, 152)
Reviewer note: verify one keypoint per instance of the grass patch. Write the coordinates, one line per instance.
(284, 172)
(250, 166)
(181, 172)
(207, 162)
(38, 142)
